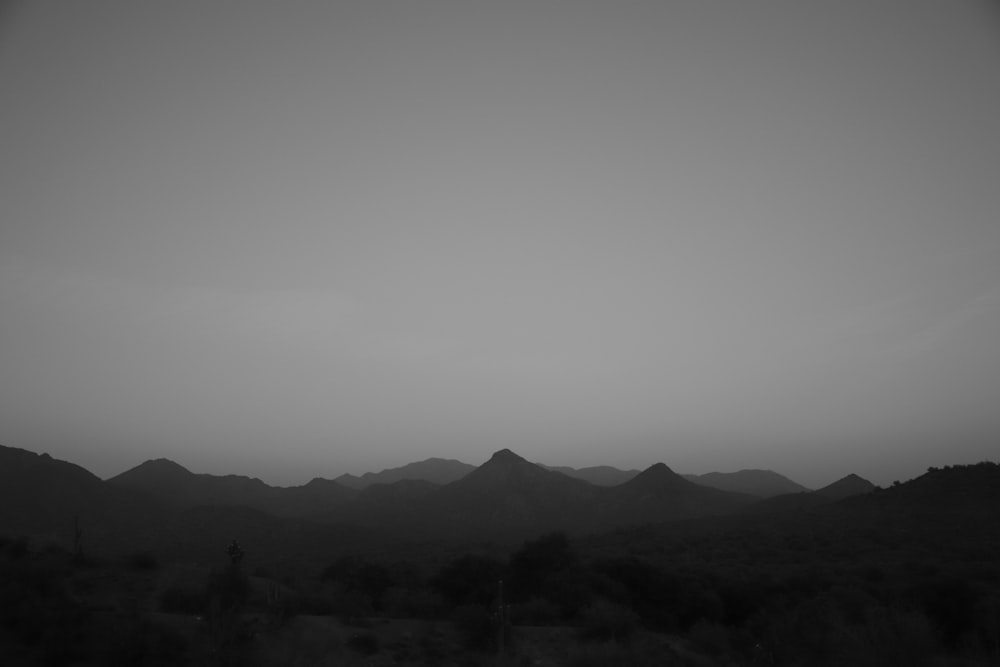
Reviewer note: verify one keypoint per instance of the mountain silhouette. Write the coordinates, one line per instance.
(762, 483)
(47, 499)
(598, 475)
(160, 504)
(176, 486)
(436, 470)
(660, 494)
(851, 485)
(845, 487)
(509, 496)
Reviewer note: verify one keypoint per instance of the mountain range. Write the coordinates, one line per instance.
(435, 470)
(762, 483)
(507, 498)
(163, 507)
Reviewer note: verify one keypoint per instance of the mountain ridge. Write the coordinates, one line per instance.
(506, 498)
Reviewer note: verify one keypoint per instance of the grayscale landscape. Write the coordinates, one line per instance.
(555, 334)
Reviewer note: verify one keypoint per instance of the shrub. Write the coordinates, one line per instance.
(474, 626)
(469, 579)
(229, 586)
(604, 620)
(138, 641)
(536, 611)
(143, 560)
(364, 643)
(182, 600)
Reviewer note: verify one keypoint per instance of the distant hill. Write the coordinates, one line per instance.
(435, 470)
(660, 494)
(164, 506)
(42, 498)
(845, 487)
(599, 475)
(762, 483)
(509, 496)
(176, 486)
(956, 497)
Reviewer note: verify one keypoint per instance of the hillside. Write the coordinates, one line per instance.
(845, 487)
(597, 475)
(45, 498)
(660, 494)
(762, 483)
(509, 497)
(805, 501)
(434, 470)
(174, 485)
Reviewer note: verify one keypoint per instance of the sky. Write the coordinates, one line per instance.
(300, 239)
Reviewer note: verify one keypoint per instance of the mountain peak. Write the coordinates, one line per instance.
(152, 469)
(505, 456)
(655, 477)
(165, 464)
(850, 485)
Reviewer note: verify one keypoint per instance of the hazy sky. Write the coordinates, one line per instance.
(296, 239)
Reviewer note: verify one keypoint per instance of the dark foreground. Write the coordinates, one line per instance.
(803, 590)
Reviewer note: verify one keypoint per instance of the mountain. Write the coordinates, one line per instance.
(951, 509)
(599, 475)
(660, 494)
(506, 498)
(176, 486)
(851, 485)
(435, 470)
(509, 497)
(762, 483)
(47, 499)
(805, 501)
(954, 496)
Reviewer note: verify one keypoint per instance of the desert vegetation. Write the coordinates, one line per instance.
(904, 575)
(660, 595)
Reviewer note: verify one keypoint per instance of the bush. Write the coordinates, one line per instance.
(469, 580)
(642, 652)
(400, 602)
(604, 621)
(229, 586)
(138, 641)
(474, 626)
(364, 643)
(181, 600)
(143, 560)
(536, 611)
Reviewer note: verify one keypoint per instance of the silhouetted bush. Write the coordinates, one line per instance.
(404, 602)
(357, 574)
(364, 643)
(469, 579)
(143, 560)
(136, 641)
(475, 627)
(636, 653)
(951, 604)
(312, 605)
(16, 548)
(230, 586)
(607, 621)
(532, 566)
(179, 599)
(536, 611)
